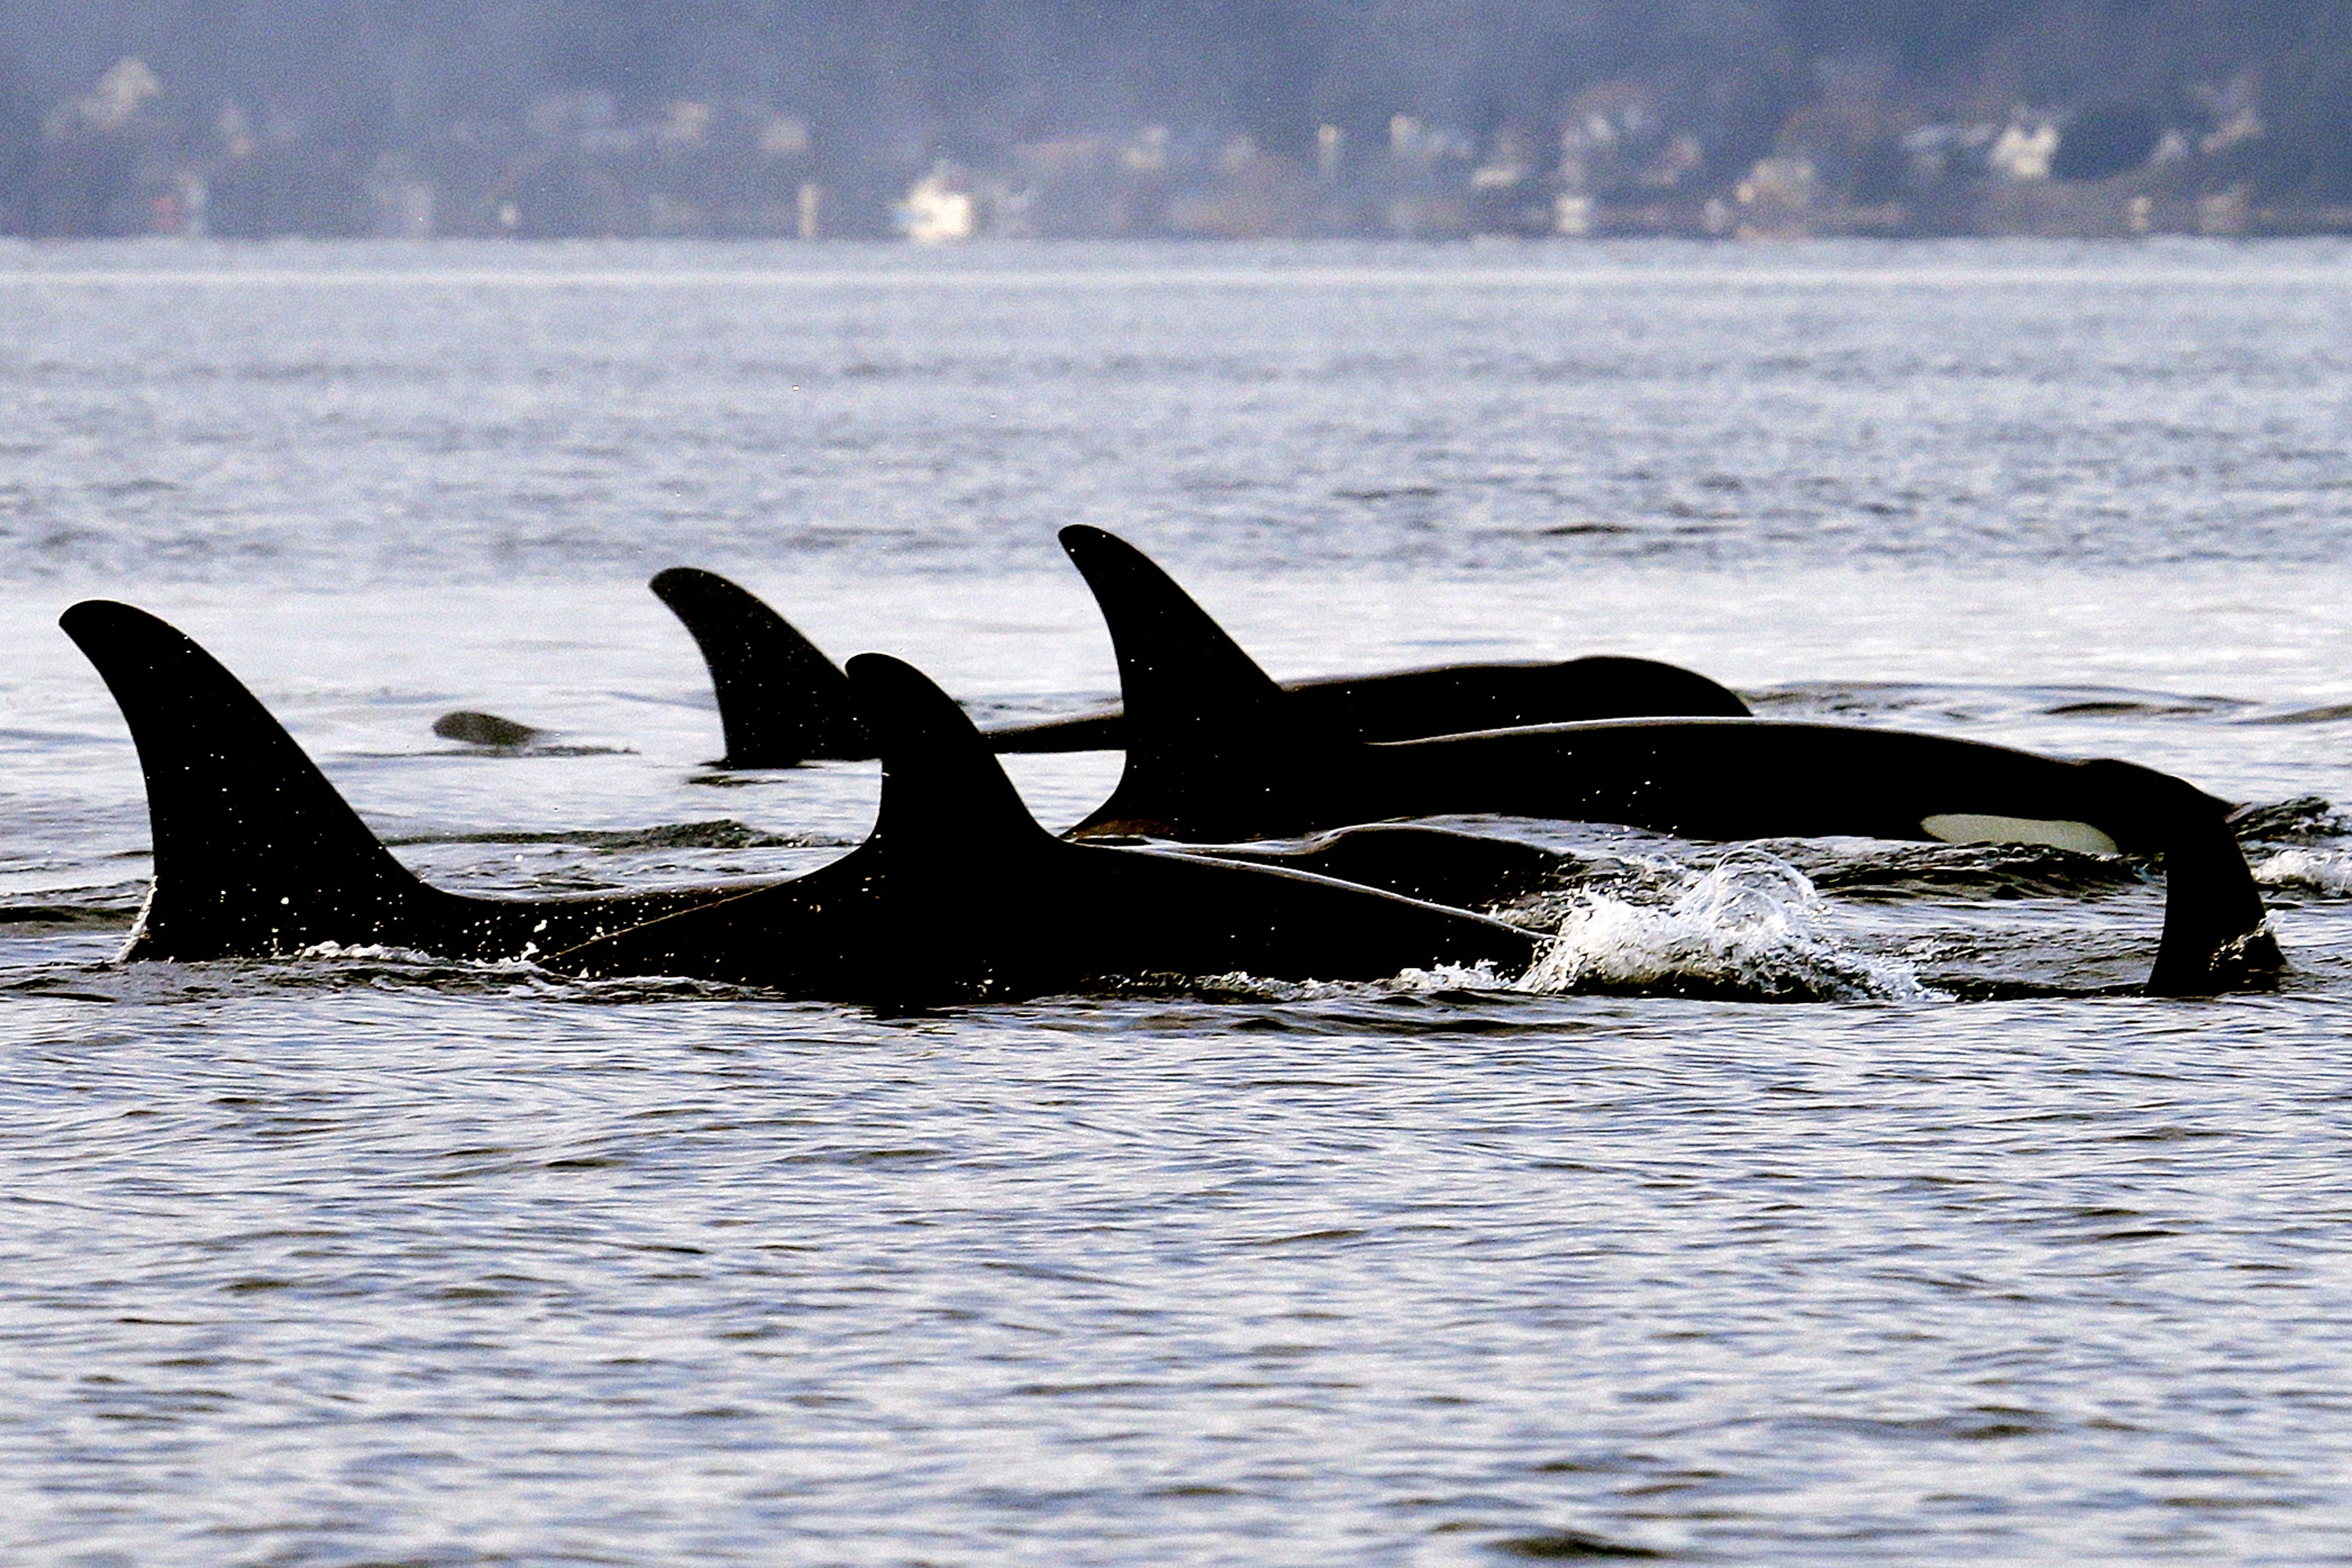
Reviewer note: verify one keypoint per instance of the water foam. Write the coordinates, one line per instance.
(368, 952)
(2319, 870)
(1440, 979)
(1751, 927)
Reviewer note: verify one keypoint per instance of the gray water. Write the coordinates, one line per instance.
(373, 1260)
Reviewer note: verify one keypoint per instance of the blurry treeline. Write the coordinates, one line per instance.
(1211, 117)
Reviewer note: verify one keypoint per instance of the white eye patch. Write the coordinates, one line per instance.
(1960, 828)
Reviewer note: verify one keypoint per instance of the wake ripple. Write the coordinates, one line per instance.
(2325, 871)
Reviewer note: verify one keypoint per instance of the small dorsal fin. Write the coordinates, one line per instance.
(780, 701)
(255, 852)
(943, 790)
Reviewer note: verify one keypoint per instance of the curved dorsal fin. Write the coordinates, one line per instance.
(1176, 666)
(943, 791)
(1202, 722)
(255, 852)
(780, 701)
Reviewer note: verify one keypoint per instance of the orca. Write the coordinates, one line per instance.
(781, 702)
(1214, 755)
(958, 894)
(257, 856)
(478, 729)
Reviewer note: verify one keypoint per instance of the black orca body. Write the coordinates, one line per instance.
(957, 893)
(1213, 755)
(781, 702)
(960, 895)
(257, 856)
(476, 728)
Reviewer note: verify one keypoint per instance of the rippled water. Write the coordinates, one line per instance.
(377, 1261)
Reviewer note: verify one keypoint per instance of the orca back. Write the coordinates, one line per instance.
(1456, 698)
(958, 895)
(1216, 749)
(888, 923)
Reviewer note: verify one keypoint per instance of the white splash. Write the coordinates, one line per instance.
(372, 951)
(2321, 870)
(1752, 926)
(1241, 983)
(1479, 976)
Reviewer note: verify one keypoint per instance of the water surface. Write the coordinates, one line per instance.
(375, 1260)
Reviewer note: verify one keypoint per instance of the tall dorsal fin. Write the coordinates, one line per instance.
(255, 852)
(943, 791)
(1205, 726)
(1176, 666)
(780, 701)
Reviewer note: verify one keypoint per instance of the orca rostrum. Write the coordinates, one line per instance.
(781, 702)
(957, 894)
(486, 729)
(1214, 754)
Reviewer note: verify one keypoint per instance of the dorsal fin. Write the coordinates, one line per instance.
(255, 852)
(943, 791)
(1202, 719)
(780, 701)
(1176, 666)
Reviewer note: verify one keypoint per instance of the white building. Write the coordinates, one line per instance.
(939, 211)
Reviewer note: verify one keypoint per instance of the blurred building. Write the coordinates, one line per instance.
(1815, 130)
